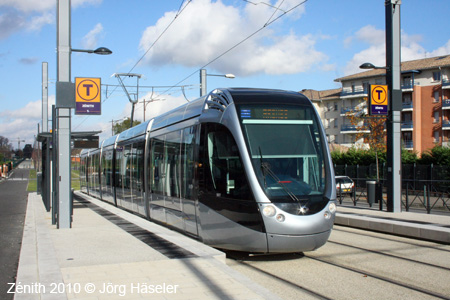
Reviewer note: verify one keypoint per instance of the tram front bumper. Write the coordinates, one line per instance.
(278, 243)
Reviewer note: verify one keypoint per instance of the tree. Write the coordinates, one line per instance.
(371, 130)
(119, 127)
(438, 155)
(5, 148)
(5, 144)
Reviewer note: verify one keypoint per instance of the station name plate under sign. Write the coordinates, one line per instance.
(88, 96)
(378, 100)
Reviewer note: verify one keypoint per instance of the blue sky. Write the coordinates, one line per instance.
(306, 48)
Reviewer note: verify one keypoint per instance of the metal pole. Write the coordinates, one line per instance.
(394, 182)
(132, 115)
(202, 82)
(63, 115)
(54, 188)
(44, 97)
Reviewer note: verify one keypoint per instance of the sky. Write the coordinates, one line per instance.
(281, 44)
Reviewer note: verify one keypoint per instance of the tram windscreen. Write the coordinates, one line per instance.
(286, 149)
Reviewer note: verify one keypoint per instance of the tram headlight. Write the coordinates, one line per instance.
(280, 218)
(332, 207)
(269, 211)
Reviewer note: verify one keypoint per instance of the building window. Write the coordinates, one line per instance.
(407, 98)
(436, 117)
(437, 76)
(436, 137)
(365, 86)
(335, 123)
(436, 97)
(353, 87)
(335, 106)
(407, 81)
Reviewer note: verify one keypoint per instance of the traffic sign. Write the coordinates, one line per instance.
(378, 100)
(87, 96)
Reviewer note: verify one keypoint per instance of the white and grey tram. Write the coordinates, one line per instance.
(239, 169)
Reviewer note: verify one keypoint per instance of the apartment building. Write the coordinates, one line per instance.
(425, 112)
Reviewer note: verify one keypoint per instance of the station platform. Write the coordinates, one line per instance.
(112, 254)
(430, 227)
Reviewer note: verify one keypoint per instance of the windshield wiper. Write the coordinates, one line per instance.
(265, 168)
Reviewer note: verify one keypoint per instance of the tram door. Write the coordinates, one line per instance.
(223, 185)
(172, 179)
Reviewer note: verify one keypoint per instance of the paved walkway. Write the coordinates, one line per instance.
(97, 259)
(429, 227)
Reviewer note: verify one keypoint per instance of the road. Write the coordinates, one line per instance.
(13, 205)
(355, 264)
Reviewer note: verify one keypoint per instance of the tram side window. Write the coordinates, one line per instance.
(95, 167)
(158, 171)
(83, 182)
(188, 162)
(108, 169)
(127, 163)
(227, 172)
(172, 163)
(119, 166)
(139, 166)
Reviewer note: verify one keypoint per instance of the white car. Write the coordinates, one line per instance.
(345, 183)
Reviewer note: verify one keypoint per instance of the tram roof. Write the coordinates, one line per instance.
(133, 131)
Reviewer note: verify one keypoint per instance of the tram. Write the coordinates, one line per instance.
(238, 169)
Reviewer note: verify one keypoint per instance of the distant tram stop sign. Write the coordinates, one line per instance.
(88, 96)
(378, 100)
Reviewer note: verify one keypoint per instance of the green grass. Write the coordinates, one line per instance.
(32, 181)
(75, 180)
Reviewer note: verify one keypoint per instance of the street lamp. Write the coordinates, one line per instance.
(65, 90)
(99, 51)
(203, 80)
(368, 66)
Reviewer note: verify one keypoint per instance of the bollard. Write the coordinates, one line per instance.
(371, 192)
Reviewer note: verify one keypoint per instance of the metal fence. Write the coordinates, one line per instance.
(424, 187)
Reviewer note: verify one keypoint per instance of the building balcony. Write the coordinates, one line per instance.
(407, 106)
(348, 128)
(407, 86)
(356, 110)
(446, 125)
(446, 83)
(407, 126)
(355, 93)
(408, 144)
(364, 146)
(446, 104)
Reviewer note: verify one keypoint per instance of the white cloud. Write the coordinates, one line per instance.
(31, 15)
(10, 23)
(444, 50)
(159, 105)
(21, 123)
(207, 29)
(37, 22)
(28, 6)
(371, 35)
(376, 52)
(91, 38)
